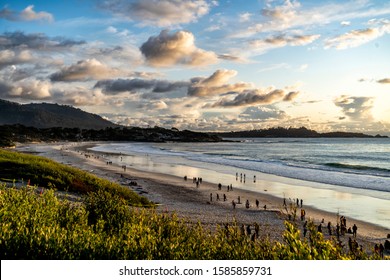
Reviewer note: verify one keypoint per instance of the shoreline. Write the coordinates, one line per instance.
(173, 194)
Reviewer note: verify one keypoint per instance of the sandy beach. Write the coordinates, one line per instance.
(174, 194)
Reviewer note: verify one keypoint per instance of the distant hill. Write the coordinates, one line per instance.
(46, 115)
(301, 132)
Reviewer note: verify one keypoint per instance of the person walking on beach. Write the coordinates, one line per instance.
(217, 197)
(248, 230)
(319, 228)
(381, 250)
(354, 230)
(211, 197)
(224, 197)
(257, 229)
(301, 203)
(304, 229)
(303, 214)
(247, 204)
(257, 203)
(329, 228)
(234, 204)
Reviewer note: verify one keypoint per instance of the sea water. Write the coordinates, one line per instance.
(349, 176)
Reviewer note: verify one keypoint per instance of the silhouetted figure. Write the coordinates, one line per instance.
(217, 197)
(354, 230)
(253, 237)
(248, 230)
(257, 229)
(284, 202)
(239, 200)
(224, 197)
(219, 186)
(350, 244)
(265, 207)
(319, 228)
(211, 197)
(257, 203)
(338, 231)
(234, 204)
(381, 250)
(376, 249)
(301, 203)
(247, 204)
(304, 229)
(329, 228)
(303, 214)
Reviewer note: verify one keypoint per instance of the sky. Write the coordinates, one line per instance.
(203, 65)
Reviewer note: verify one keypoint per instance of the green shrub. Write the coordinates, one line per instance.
(40, 226)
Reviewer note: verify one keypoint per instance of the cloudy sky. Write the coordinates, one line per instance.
(203, 65)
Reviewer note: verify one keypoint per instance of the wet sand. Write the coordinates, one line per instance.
(174, 194)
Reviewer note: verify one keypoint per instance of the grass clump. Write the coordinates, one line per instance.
(47, 173)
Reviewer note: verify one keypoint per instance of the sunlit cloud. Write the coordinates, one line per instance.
(177, 48)
(282, 41)
(11, 57)
(252, 97)
(162, 13)
(355, 108)
(27, 89)
(355, 38)
(262, 113)
(384, 81)
(28, 14)
(85, 70)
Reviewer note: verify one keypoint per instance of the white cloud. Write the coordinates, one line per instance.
(282, 41)
(355, 38)
(85, 70)
(28, 14)
(177, 48)
(356, 108)
(293, 14)
(162, 13)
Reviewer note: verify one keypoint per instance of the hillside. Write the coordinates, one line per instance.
(301, 132)
(45, 115)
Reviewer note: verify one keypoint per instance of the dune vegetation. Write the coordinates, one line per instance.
(40, 171)
(106, 225)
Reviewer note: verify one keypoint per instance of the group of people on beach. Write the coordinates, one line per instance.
(245, 230)
(243, 177)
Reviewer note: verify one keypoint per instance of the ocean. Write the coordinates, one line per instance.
(349, 176)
